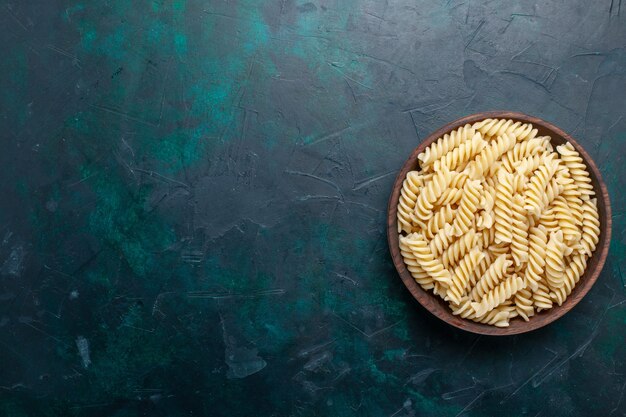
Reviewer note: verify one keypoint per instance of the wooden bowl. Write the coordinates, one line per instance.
(435, 304)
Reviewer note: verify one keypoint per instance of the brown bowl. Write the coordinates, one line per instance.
(435, 304)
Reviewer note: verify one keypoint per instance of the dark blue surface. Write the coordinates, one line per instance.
(194, 200)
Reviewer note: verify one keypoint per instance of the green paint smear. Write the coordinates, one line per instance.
(120, 219)
(208, 116)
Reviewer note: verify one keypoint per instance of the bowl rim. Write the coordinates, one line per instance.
(427, 298)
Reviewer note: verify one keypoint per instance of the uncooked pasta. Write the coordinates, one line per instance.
(497, 221)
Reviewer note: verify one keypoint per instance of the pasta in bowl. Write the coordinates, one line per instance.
(499, 223)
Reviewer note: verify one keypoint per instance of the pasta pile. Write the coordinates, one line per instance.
(497, 222)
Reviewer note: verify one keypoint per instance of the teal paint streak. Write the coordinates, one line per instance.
(88, 39)
(179, 5)
(180, 41)
(212, 99)
(125, 226)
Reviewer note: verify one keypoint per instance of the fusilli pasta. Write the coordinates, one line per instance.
(590, 227)
(422, 277)
(538, 182)
(572, 275)
(497, 222)
(519, 230)
(555, 260)
(462, 273)
(430, 193)
(460, 156)
(503, 207)
(577, 169)
(492, 276)
(459, 248)
(408, 197)
(442, 217)
(537, 241)
(443, 145)
(498, 295)
(467, 207)
(417, 245)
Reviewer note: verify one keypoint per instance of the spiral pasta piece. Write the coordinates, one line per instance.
(487, 237)
(577, 169)
(443, 145)
(459, 248)
(442, 239)
(498, 317)
(484, 220)
(460, 179)
(541, 297)
(462, 273)
(573, 272)
(537, 242)
(552, 191)
(567, 222)
(499, 295)
(497, 249)
(513, 313)
(524, 303)
(590, 227)
(451, 195)
(417, 272)
(430, 193)
(503, 207)
(555, 260)
(481, 268)
(519, 183)
(467, 207)
(571, 192)
(490, 183)
(486, 217)
(489, 186)
(484, 162)
(494, 127)
(538, 182)
(408, 197)
(425, 258)
(529, 164)
(493, 170)
(522, 150)
(440, 289)
(549, 220)
(439, 219)
(525, 133)
(499, 127)
(492, 277)
(460, 156)
(519, 231)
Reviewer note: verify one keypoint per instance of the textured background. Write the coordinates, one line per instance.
(193, 205)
